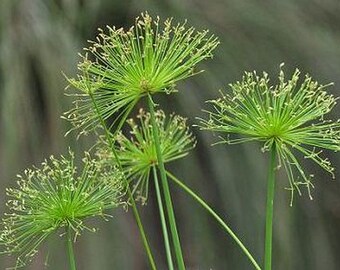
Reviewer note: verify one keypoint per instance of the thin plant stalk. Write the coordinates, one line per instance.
(269, 210)
(163, 221)
(109, 138)
(215, 216)
(287, 117)
(166, 190)
(70, 249)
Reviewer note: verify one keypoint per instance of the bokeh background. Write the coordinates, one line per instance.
(41, 38)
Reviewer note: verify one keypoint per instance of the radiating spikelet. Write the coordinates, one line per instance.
(121, 67)
(56, 196)
(137, 153)
(290, 114)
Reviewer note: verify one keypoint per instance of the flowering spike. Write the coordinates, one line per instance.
(120, 66)
(290, 114)
(56, 196)
(137, 154)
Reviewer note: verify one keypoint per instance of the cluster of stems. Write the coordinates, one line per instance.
(137, 64)
(163, 195)
(131, 65)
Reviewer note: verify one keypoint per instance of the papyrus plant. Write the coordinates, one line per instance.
(56, 197)
(137, 154)
(289, 119)
(123, 66)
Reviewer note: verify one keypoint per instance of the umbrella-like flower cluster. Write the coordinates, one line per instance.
(122, 66)
(289, 115)
(56, 196)
(137, 153)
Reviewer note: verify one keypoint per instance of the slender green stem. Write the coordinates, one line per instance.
(70, 249)
(109, 138)
(163, 221)
(216, 216)
(166, 190)
(269, 210)
(142, 231)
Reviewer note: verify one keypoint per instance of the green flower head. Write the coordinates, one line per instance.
(121, 67)
(137, 153)
(289, 115)
(56, 196)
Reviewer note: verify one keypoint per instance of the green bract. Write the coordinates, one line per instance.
(137, 154)
(289, 115)
(122, 66)
(56, 196)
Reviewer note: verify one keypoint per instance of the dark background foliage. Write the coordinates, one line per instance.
(39, 39)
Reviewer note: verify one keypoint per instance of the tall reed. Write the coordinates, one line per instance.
(288, 118)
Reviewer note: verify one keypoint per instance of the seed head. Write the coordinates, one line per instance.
(289, 115)
(137, 153)
(56, 196)
(121, 67)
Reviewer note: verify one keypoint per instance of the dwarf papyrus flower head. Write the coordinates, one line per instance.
(137, 153)
(122, 66)
(56, 196)
(289, 115)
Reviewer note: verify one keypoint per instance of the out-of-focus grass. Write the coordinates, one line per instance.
(39, 39)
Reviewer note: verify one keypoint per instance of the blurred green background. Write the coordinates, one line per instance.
(41, 38)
